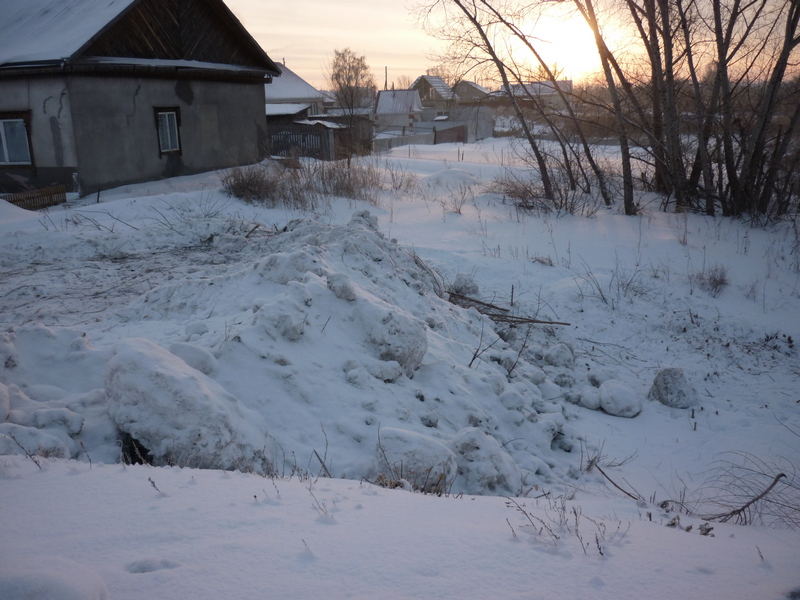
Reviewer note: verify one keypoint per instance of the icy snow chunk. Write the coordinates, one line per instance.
(197, 328)
(5, 402)
(396, 336)
(196, 357)
(671, 388)
(342, 287)
(559, 355)
(364, 219)
(386, 371)
(464, 285)
(37, 442)
(589, 397)
(619, 400)
(483, 465)
(283, 267)
(50, 578)
(421, 460)
(178, 414)
(43, 418)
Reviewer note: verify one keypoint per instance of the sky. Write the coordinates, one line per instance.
(304, 34)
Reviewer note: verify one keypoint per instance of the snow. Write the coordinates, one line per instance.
(52, 30)
(398, 102)
(290, 87)
(302, 359)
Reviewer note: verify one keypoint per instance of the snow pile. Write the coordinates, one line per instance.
(342, 335)
(178, 414)
(50, 578)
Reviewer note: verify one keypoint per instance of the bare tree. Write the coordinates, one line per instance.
(402, 83)
(353, 87)
(705, 101)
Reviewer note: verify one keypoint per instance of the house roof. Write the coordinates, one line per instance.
(286, 108)
(469, 88)
(398, 102)
(437, 83)
(57, 33)
(37, 31)
(291, 87)
(542, 88)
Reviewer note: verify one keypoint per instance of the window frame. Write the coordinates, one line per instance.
(175, 112)
(25, 117)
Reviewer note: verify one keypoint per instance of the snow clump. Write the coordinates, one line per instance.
(671, 388)
(178, 414)
(423, 461)
(619, 400)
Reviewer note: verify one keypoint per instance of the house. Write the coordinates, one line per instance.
(291, 89)
(468, 92)
(397, 109)
(107, 92)
(545, 93)
(433, 92)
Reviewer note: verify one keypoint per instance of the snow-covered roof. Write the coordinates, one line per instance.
(437, 83)
(48, 33)
(398, 102)
(42, 31)
(346, 112)
(289, 108)
(542, 88)
(469, 89)
(323, 123)
(290, 86)
(157, 62)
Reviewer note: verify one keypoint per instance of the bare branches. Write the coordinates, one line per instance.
(747, 490)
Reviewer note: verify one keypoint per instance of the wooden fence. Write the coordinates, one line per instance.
(38, 199)
(297, 139)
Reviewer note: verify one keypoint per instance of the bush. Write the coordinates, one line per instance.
(528, 194)
(712, 280)
(305, 187)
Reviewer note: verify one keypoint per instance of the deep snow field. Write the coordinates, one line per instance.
(296, 376)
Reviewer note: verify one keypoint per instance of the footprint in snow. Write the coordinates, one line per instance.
(148, 565)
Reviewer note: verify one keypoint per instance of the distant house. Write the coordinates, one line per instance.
(543, 92)
(291, 89)
(108, 92)
(468, 92)
(397, 109)
(433, 92)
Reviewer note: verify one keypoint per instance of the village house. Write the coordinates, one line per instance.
(397, 110)
(469, 92)
(100, 93)
(435, 94)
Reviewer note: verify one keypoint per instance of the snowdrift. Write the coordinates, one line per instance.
(297, 361)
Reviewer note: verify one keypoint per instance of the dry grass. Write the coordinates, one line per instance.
(306, 187)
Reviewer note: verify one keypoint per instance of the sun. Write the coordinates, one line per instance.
(566, 43)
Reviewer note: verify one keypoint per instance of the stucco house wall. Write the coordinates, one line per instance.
(221, 124)
(49, 119)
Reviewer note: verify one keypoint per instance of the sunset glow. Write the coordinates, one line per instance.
(304, 33)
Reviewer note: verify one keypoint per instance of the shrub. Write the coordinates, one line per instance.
(306, 186)
(712, 280)
(527, 193)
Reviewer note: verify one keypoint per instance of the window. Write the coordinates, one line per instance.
(14, 147)
(168, 122)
